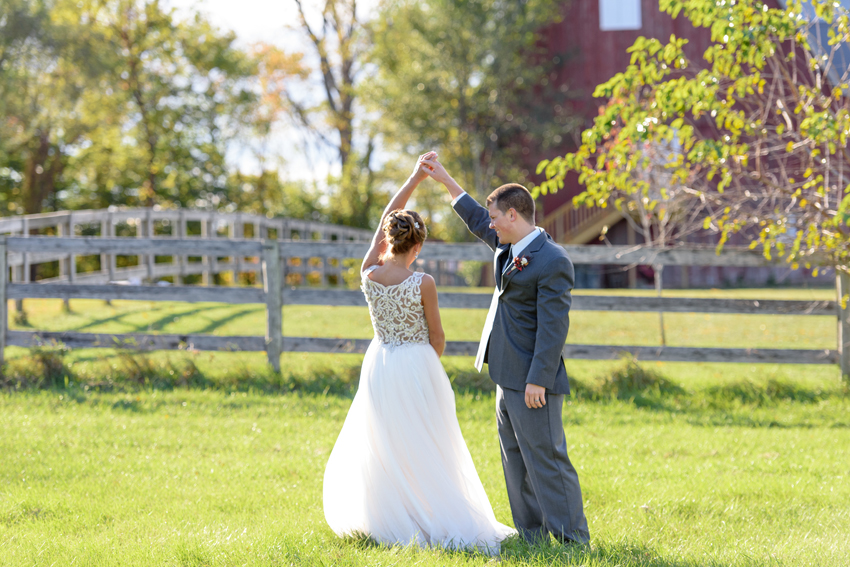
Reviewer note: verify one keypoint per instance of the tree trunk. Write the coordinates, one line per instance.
(41, 172)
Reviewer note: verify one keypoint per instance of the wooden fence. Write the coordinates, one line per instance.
(175, 223)
(274, 294)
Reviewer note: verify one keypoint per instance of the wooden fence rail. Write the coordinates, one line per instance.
(274, 294)
(146, 223)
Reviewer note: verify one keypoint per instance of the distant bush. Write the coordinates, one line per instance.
(762, 393)
(470, 379)
(44, 368)
(47, 367)
(140, 369)
(633, 381)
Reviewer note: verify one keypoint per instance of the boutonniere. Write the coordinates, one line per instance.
(520, 263)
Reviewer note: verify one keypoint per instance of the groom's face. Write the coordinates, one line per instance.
(501, 223)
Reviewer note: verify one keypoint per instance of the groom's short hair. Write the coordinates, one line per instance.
(513, 196)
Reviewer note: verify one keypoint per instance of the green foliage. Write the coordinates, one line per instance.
(178, 93)
(471, 272)
(44, 367)
(116, 102)
(756, 132)
(471, 80)
(268, 194)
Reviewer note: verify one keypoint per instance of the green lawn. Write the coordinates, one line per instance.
(722, 465)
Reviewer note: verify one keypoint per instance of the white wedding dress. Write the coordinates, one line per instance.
(400, 471)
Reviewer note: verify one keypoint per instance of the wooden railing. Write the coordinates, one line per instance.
(274, 294)
(569, 224)
(150, 222)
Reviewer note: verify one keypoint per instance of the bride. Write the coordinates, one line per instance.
(400, 471)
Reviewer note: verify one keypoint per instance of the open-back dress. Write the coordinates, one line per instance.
(400, 471)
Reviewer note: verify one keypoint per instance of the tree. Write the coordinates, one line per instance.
(116, 102)
(267, 194)
(183, 89)
(472, 80)
(47, 71)
(275, 69)
(762, 124)
(666, 211)
(330, 113)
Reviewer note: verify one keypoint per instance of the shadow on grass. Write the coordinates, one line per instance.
(117, 317)
(233, 315)
(167, 317)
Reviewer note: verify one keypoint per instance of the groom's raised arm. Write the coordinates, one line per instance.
(476, 217)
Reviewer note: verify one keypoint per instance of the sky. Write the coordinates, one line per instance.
(252, 20)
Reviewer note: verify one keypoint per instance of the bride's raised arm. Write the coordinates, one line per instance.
(398, 201)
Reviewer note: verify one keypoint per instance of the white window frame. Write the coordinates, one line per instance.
(619, 15)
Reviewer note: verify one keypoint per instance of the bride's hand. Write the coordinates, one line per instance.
(436, 170)
(420, 172)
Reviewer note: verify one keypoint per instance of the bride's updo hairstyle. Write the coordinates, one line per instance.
(404, 229)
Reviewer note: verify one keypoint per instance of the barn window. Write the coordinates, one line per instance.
(619, 15)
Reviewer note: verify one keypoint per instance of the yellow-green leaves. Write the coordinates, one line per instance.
(732, 132)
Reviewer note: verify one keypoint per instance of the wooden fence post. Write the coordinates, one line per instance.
(212, 261)
(149, 232)
(258, 235)
(111, 262)
(842, 281)
(72, 258)
(181, 260)
(4, 315)
(273, 289)
(205, 233)
(237, 231)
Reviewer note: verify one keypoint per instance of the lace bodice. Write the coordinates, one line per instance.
(396, 310)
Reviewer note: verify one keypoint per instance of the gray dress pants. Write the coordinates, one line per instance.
(543, 487)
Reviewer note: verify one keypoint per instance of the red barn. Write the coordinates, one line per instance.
(595, 34)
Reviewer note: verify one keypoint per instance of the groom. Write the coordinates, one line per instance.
(523, 338)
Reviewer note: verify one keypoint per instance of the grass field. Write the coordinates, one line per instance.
(210, 459)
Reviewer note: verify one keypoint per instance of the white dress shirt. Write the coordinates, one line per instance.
(523, 244)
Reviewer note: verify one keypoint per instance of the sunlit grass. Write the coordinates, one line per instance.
(190, 477)
(181, 458)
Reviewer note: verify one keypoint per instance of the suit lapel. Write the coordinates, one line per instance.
(529, 251)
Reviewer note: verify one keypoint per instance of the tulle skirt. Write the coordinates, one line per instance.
(400, 471)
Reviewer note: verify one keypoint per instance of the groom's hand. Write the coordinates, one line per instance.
(438, 173)
(436, 170)
(535, 396)
(420, 172)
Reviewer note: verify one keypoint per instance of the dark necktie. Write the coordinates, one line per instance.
(509, 260)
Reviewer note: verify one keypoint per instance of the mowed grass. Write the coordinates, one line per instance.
(724, 465)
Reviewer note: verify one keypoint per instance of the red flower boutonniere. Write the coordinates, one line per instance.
(520, 262)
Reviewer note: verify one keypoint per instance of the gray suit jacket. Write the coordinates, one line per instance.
(532, 315)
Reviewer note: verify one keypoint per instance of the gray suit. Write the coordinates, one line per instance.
(522, 343)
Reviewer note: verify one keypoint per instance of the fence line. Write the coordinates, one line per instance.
(274, 294)
(143, 223)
